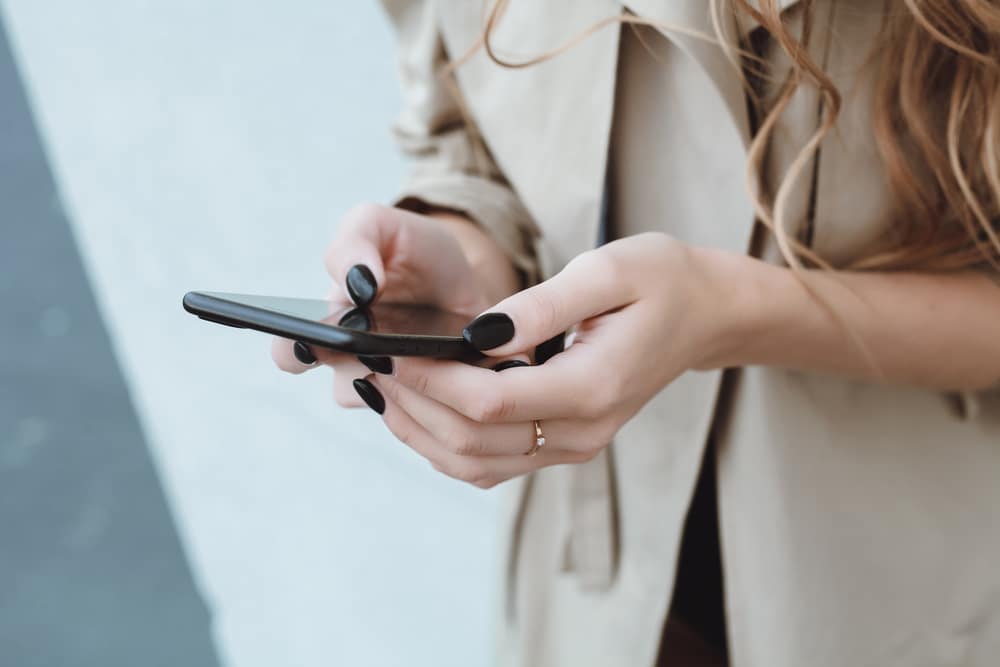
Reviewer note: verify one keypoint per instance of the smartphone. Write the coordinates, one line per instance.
(381, 330)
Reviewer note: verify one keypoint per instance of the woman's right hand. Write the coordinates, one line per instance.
(396, 256)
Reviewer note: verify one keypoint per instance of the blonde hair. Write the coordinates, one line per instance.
(941, 160)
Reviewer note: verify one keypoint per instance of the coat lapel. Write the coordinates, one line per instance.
(555, 117)
(551, 121)
(696, 16)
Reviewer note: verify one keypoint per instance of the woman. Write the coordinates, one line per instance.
(819, 355)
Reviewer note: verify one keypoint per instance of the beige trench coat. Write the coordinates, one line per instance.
(860, 523)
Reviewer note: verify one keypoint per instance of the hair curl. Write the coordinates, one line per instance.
(936, 123)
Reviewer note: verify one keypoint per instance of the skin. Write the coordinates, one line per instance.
(626, 299)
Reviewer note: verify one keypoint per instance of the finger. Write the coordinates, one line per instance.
(355, 258)
(464, 437)
(334, 359)
(349, 368)
(344, 393)
(481, 471)
(360, 319)
(568, 386)
(297, 357)
(396, 255)
(346, 368)
(292, 356)
(591, 284)
(517, 361)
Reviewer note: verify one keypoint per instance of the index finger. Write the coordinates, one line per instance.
(365, 234)
(519, 394)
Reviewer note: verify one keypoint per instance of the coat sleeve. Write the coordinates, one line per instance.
(451, 166)
(972, 404)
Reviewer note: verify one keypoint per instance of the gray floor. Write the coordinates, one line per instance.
(91, 569)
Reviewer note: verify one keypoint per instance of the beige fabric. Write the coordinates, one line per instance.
(860, 523)
(451, 167)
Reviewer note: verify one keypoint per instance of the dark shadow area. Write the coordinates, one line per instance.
(91, 568)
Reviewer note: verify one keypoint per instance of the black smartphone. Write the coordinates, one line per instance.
(382, 330)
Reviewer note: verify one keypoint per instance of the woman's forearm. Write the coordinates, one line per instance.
(933, 330)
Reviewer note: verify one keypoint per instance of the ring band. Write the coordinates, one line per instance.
(539, 438)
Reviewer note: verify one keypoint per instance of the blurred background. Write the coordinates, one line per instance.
(167, 497)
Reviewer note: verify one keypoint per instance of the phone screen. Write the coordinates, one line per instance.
(380, 318)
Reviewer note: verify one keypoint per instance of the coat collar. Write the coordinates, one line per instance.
(551, 124)
(548, 125)
(695, 15)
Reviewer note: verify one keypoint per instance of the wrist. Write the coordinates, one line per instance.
(738, 297)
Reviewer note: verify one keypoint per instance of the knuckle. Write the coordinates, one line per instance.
(599, 261)
(363, 213)
(444, 465)
(660, 243)
(614, 268)
(602, 397)
(544, 309)
(404, 435)
(412, 374)
(469, 472)
(392, 390)
(464, 442)
(493, 407)
(342, 399)
(287, 367)
(607, 263)
(421, 383)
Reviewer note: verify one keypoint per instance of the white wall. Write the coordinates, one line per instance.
(212, 144)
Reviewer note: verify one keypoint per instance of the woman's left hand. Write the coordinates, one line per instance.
(645, 309)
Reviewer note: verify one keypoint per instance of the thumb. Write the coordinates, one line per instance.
(587, 287)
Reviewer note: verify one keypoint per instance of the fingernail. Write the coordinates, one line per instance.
(381, 365)
(489, 331)
(361, 285)
(550, 348)
(357, 319)
(370, 395)
(303, 353)
(510, 363)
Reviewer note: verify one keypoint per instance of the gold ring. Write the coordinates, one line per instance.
(539, 438)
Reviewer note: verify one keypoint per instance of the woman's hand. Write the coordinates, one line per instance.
(648, 308)
(395, 256)
(645, 309)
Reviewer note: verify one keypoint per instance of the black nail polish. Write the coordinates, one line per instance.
(358, 319)
(550, 348)
(489, 331)
(303, 353)
(370, 395)
(381, 365)
(361, 285)
(510, 363)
